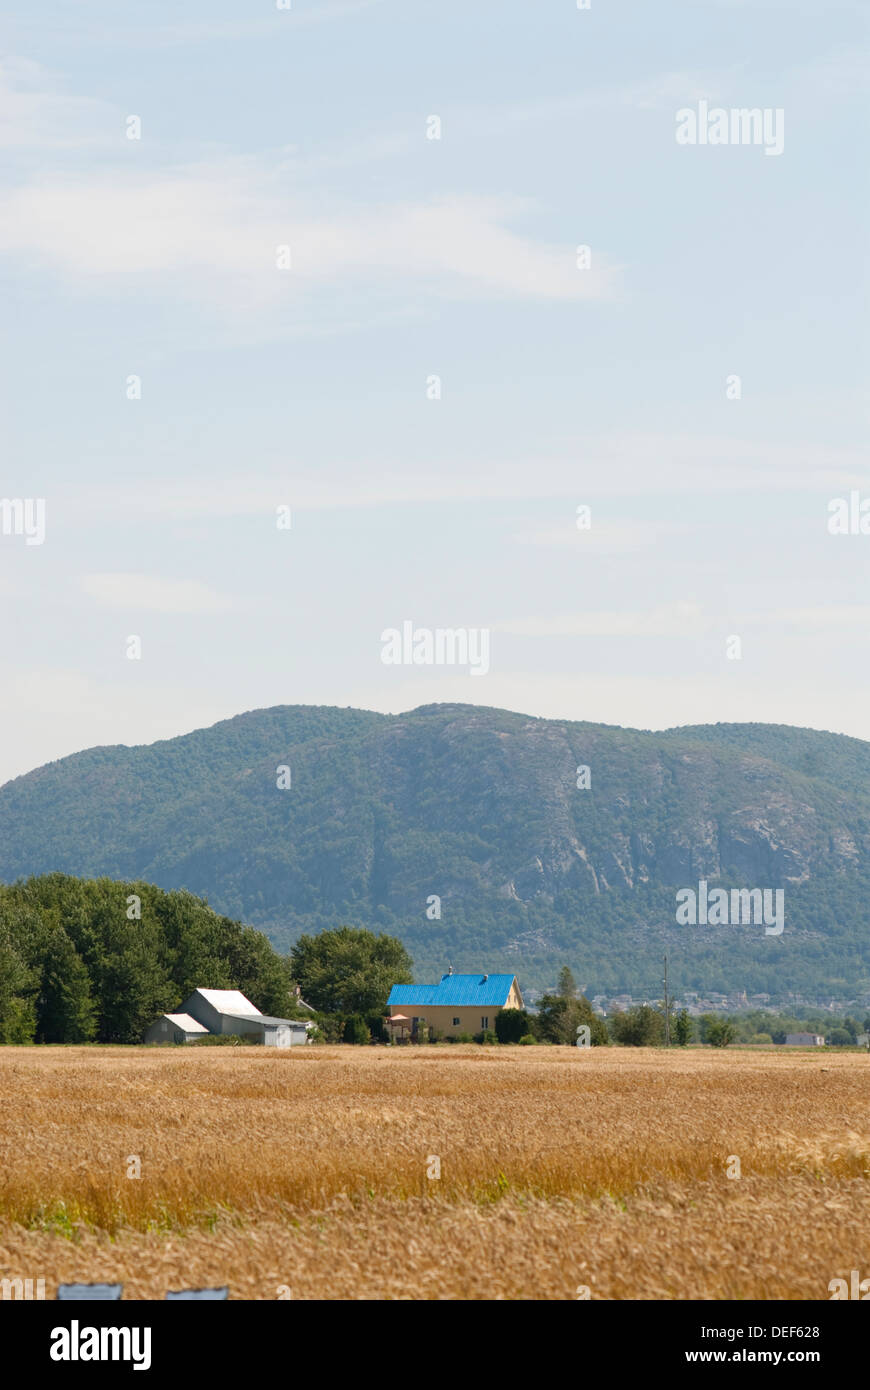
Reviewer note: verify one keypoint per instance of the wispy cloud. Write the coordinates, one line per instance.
(625, 466)
(118, 29)
(602, 538)
(156, 594)
(687, 619)
(815, 617)
(225, 222)
(679, 619)
(38, 113)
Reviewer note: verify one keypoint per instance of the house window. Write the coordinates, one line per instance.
(456, 1023)
(484, 1023)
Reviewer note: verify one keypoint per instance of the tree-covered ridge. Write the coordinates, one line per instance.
(481, 808)
(93, 959)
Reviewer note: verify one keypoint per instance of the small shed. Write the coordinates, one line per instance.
(175, 1028)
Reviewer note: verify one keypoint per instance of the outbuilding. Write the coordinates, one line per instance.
(175, 1028)
(227, 1012)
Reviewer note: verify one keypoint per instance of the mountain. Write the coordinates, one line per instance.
(481, 807)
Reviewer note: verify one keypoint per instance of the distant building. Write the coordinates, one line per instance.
(226, 1011)
(457, 1004)
(804, 1040)
(176, 1028)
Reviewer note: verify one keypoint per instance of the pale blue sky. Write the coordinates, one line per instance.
(412, 257)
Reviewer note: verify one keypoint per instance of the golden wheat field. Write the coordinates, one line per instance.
(311, 1173)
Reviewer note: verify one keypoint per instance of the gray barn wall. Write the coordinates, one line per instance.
(172, 1034)
(231, 1023)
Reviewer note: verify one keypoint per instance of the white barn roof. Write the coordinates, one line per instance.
(185, 1021)
(229, 1001)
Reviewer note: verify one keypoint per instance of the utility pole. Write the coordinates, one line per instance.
(667, 1007)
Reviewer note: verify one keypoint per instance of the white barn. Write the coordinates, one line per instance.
(226, 1011)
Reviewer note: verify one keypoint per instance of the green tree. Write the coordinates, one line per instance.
(839, 1037)
(641, 1026)
(349, 970)
(558, 1019)
(377, 1028)
(683, 1028)
(17, 987)
(66, 1012)
(356, 1030)
(566, 987)
(720, 1032)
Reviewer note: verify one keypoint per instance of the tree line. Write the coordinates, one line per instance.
(95, 960)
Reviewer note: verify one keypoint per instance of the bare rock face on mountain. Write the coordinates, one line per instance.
(481, 836)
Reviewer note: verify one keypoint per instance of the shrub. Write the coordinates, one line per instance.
(761, 1038)
(356, 1030)
(642, 1026)
(487, 1036)
(720, 1032)
(528, 1040)
(511, 1025)
(331, 1028)
(558, 1019)
(217, 1040)
(464, 1038)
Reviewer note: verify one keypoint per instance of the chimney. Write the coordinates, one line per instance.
(485, 978)
(450, 970)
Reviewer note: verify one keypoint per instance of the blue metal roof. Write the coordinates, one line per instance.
(489, 990)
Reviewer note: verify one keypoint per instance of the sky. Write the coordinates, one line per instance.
(320, 266)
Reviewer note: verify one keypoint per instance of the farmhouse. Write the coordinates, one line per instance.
(804, 1040)
(457, 1004)
(227, 1011)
